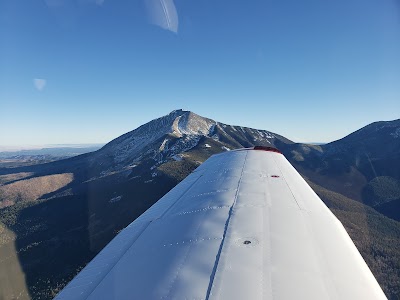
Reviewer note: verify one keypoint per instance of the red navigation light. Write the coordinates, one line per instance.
(265, 148)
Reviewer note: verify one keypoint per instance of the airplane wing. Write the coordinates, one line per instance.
(243, 225)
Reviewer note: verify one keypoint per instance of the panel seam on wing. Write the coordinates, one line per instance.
(202, 209)
(180, 197)
(284, 178)
(214, 271)
(211, 193)
(191, 241)
(180, 266)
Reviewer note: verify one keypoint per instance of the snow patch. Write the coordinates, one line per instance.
(207, 146)
(192, 124)
(266, 134)
(175, 128)
(177, 157)
(164, 143)
(396, 133)
(131, 145)
(225, 148)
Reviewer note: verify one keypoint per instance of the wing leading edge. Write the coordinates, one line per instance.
(244, 225)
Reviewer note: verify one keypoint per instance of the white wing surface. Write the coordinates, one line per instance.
(244, 225)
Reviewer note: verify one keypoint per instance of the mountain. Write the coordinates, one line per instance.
(55, 217)
(363, 165)
(168, 137)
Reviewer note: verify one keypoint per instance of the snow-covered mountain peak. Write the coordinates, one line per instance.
(191, 124)
(173, 134)
(185, 125)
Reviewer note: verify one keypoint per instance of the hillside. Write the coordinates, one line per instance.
(363, 166)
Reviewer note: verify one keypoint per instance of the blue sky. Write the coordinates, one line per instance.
(87, 71)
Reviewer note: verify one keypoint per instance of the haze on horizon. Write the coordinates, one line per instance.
(87, 71)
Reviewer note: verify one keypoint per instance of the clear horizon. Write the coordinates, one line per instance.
(88, 71)
(16, 148)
